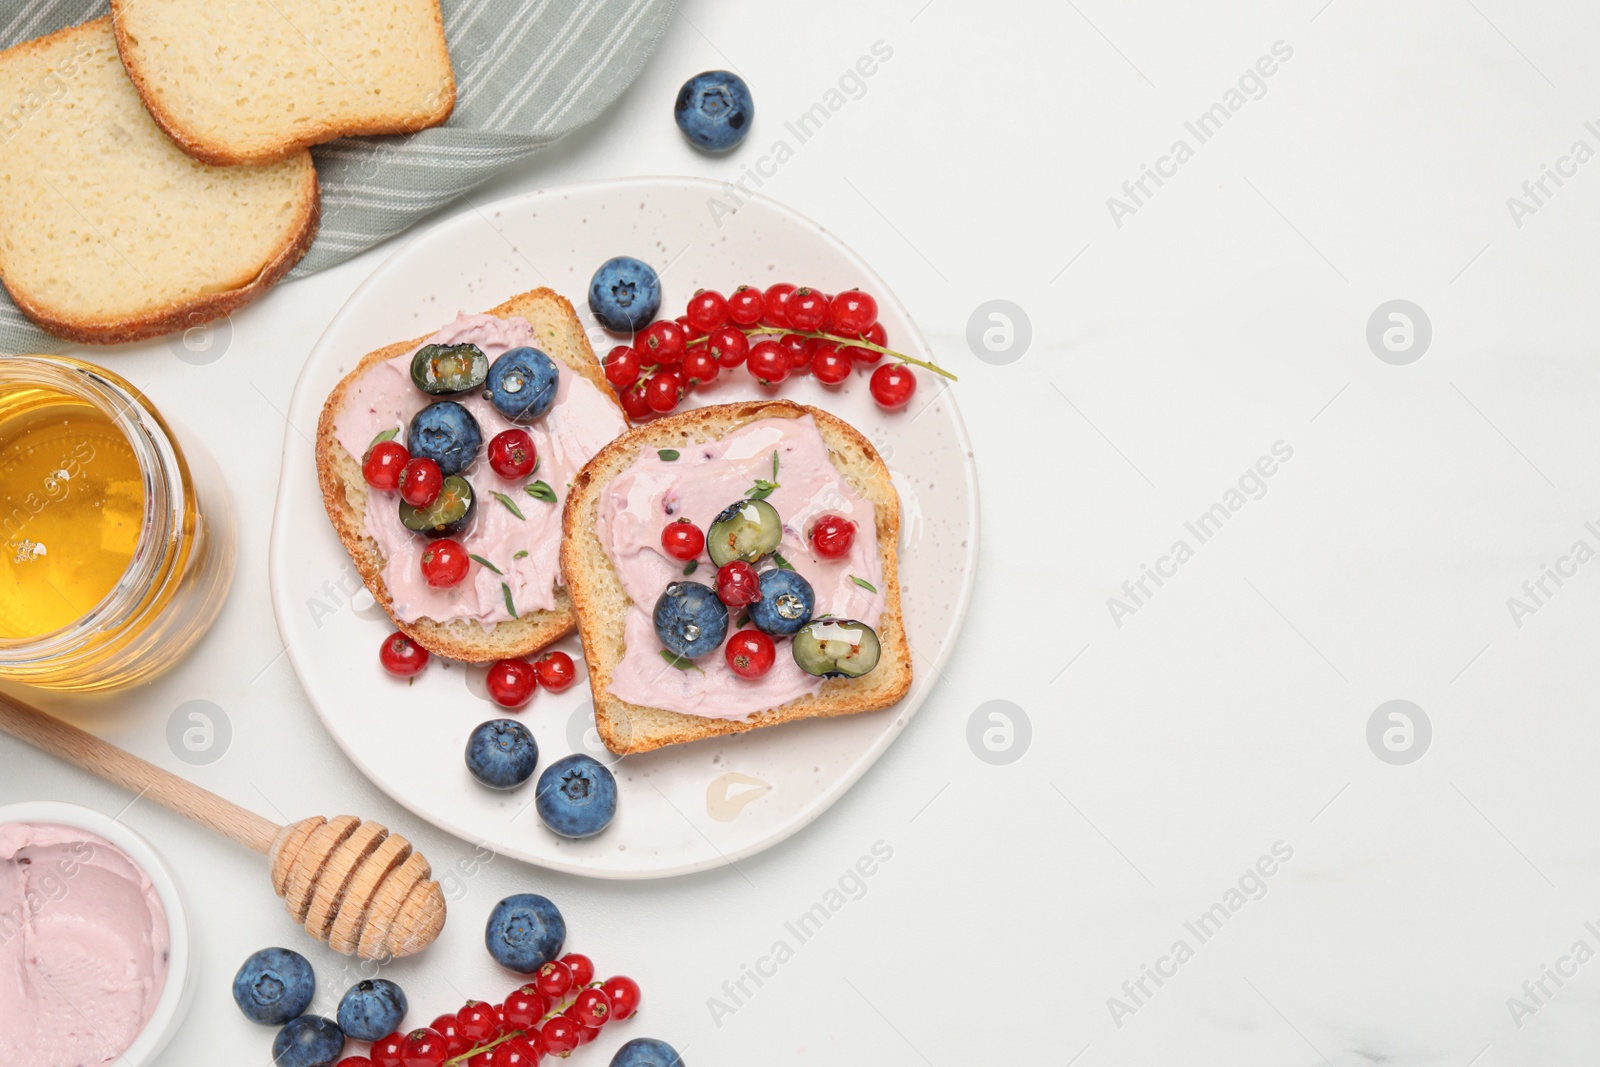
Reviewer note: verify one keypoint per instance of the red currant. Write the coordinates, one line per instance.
(832, 536)
(829, 365)
(806, 309)
(776, 300)
(402, 656)
(525, 1007)
(769, 363)
(385, 460)
(354, 1061)
(746, 306)
(750, 653)
(623, 366)
(518, 1052)
(738, 584)
(682, 540)
(554, 979)
(729, 346)
(455, 1042)
(634, 403)
(511, 682)
(581, 966)
(800, 350)
(664, 341)
(559, 1036)
(423, 1048)
(592, 1008)
(512, 455)
(482, 1059)
(892, 385)
(421, 482)
(385, 1051)
(875, 334)
(707, 310)
(850, 314)
(555, 671)
(586, 1034)
(662, 391)
(444, 563)
(623, 992)
(477, 1022)
(700, 367)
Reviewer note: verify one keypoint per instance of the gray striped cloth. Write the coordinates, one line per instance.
(528, 72)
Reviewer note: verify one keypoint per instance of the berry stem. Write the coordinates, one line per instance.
(856, 342)
(507, 1036)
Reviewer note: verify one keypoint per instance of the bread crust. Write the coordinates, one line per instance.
(319, 131)
(174, 314)
(344, 498)
(591, 579)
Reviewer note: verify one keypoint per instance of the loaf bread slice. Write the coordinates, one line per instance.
(108, 232)
(601, 603)
(253, 81)
(344, 493)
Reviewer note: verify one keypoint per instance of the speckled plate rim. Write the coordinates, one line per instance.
(898, 717)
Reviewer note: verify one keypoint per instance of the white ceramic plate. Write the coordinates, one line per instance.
(687, 807)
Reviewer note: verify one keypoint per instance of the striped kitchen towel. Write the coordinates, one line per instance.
(528, 72)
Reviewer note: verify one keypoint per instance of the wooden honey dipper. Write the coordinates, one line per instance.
(352, 884)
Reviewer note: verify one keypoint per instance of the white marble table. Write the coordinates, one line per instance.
(1182, 733)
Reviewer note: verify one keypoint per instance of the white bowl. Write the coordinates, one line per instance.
(179, 989)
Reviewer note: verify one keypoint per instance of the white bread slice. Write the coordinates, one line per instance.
(109, 233)
(344, 493)
(253, 81)
(602, 605)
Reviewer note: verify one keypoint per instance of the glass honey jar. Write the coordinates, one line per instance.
(116, 545)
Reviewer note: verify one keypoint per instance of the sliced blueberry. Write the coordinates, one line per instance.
(446, 433)
(577, 796)
(625, 294)
(372, 1008)
(714, 110)
(745, 529)
(450, 514)
(836, 648)
(440, 370)
(647, 1052)
(502, 754)
(274, 986)
(522, 384)
(690, 619)
(525, 932)
(787, 603)
(309, 1041)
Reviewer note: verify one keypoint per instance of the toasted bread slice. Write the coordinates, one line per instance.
(601, 603)
(254, 81)
(344, 493)
(109, 232)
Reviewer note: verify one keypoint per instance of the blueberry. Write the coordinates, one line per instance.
(786, 603)
(372, 1008)
(690, 619)
(309, 1041)
(522, 384)
(525, 932)
(647, 1052)
(625, 294)
(714, 110)
(577, 796)
(446, 433)
(274, 985)
(502, 754)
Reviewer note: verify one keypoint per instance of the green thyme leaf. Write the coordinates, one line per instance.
(507, 501)
(681, 662)
(783, 564)
(511, 607)
(693, 566)
(387, 435)
(541, 491)
(520, 554)
(774, 466)
(863, 583)
(668, 454)
(485, 563)
(743, 620)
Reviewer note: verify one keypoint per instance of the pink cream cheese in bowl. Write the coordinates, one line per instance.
(93, 941)
(697, 485)
(526, 549)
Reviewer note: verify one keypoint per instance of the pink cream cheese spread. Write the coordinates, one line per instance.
(526, 550)
(697, 485)
(83, 947)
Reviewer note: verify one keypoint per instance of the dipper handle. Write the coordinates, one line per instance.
(105, 760)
